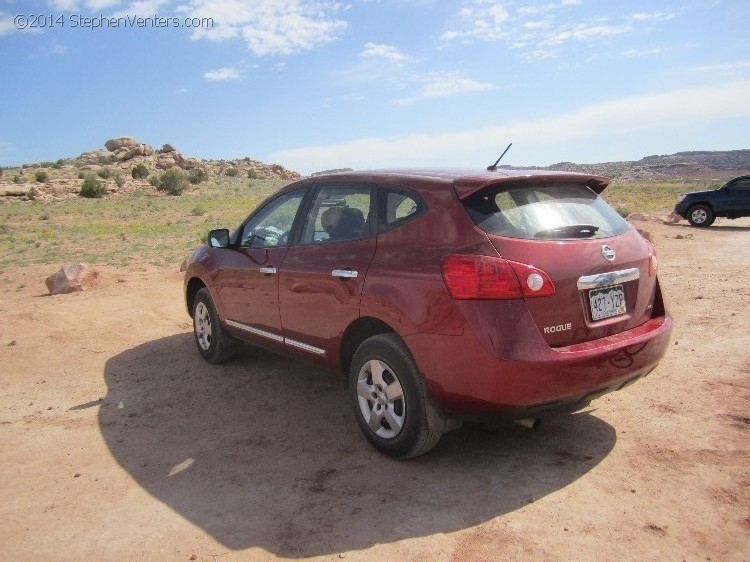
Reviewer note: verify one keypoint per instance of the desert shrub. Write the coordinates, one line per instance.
(231, 172)
(155, 181)
(622, 211)
(41, 176)
(81, 175)
(16, 179)
(252, 174)
(173, 182)
(46, 164)
(59, 164)
(91, 188)
(139, 171)
(119, 180)
(196, 176)
(104, 173)
(199, 210)
(1, 172)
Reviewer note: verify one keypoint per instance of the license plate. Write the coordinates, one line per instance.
(607, 302)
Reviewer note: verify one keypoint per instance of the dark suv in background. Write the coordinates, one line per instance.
(438, 295)
(701, 208)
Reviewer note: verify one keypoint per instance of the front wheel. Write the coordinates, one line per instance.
(701, 216)
(390, 404)
(214, 344)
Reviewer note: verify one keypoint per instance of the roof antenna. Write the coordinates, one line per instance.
(494, 166)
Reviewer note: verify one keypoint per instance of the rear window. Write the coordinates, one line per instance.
(550, 211)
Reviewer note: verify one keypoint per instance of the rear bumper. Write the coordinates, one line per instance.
(469, 377)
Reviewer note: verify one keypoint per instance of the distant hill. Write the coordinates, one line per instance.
(698, 165)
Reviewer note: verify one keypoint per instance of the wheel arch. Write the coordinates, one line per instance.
(193, 286)
(357, 332)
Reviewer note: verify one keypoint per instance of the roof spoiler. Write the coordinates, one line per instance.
(467, 185)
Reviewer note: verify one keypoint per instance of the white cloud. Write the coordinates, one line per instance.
(223, 74)
(92, 5)
(269, 27)
(6, 24)
(535, 31)
(660, 112)
(442, 84)
(142, 8)
(387, 52)
(653, 16)
(726, 68)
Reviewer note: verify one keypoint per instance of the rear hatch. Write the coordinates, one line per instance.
(601, 267)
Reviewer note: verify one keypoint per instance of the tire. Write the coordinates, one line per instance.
(214, 344)
(390, 403)
(700, 216)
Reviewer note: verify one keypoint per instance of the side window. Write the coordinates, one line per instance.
(337, 214)
(742, 185)
(271, 226)
(397, 206)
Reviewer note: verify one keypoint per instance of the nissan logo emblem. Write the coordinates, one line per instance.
(608, 253)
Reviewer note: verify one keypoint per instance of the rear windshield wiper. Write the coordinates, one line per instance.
(572, 230)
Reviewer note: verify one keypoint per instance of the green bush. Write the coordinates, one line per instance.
(41, 176)
(252, 174)
(104, 173)
(119, 180)
(91, 188)
(139, 171)
(231, 172)
(196, 176)
(173, 182)
(154, 181)
(59, 164)
(81, 175)
(16, 179)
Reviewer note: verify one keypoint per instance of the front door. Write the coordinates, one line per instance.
(249, 281)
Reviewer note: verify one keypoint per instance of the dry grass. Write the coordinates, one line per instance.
(147, 227)
(161, 230)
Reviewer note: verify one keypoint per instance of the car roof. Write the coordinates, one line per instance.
(466, 181)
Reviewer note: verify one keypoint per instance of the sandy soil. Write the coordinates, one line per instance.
(118, 442)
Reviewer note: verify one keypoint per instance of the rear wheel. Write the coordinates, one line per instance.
(214, 344)
(700, 215)
(390, 403)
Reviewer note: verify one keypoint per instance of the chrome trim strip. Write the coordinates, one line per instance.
(276, 337)
(256, 331)
(305, 347)
(345, 273)
(599, 280)
(268, 269)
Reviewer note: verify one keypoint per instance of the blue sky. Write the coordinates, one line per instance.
(317, 85)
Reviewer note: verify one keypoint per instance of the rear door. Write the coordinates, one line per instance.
(321, 280)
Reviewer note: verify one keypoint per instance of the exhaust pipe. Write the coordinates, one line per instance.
(530, 423)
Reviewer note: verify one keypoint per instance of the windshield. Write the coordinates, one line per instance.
(554, 211)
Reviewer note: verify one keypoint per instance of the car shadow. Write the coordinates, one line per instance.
(264, 452)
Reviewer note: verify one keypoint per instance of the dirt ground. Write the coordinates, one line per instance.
(118, 442)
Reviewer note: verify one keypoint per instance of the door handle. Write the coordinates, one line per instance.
(344, 273)
(268, 269)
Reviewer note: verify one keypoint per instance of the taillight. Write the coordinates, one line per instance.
(653, 263)
(485, 277)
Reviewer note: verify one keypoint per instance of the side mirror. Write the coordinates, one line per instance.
(219, 238)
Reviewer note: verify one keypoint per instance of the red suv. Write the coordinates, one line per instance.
(438, 295)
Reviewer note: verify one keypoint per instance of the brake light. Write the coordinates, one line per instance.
(485, 277)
